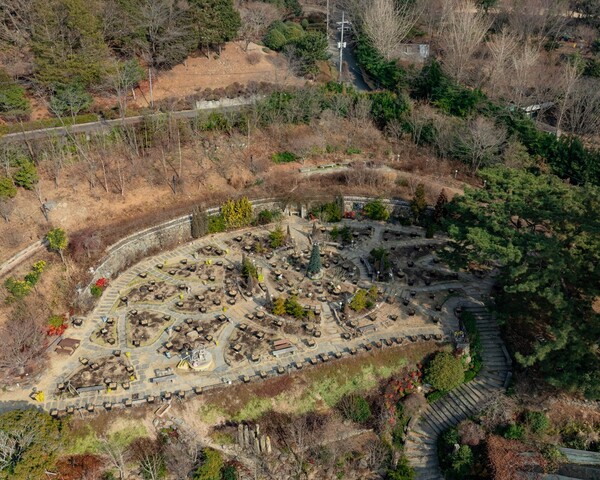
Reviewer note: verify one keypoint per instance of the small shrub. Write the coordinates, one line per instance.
(334, 234)
(553, 456)
(445, 372)
(277, 237)
(538, 421)
(216, 224)
(430, 230)
(436, 395)
(402, 182)
(359, 301)
(514, 431)
(26, 176)
(229, 473)
(330, 212)
(211, 465)
(253, 58)
(353, 151)
(284, 157)
(402, 471)
(56, 321)
(96, 291)
(462, 462)
(355, 408)
(346, 234)
(264, 217)
(17, 288)
(376, 210)
(7, 188)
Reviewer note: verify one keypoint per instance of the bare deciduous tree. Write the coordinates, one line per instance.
(463, 28)
(7, 206)
(256, 17)
(502, 47)
(387, 23)
(147, 453)
(581, 113)
(482, 141)
(571, 74)
(116, 454)
(540, 18)
(23, 340)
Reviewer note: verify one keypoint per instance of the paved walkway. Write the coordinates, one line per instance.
(461, 403)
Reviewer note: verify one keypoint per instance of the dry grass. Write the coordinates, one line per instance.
(313, 389)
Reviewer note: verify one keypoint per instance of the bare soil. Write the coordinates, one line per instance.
(232, 65)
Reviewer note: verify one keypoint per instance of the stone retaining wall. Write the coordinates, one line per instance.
(135, 247)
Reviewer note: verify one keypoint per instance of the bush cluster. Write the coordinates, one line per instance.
(445, 372)
(305, 45)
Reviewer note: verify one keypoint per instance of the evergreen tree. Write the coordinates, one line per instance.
(293, 307)
(359, 301)
(440, 206)
(248, 269)
(314, 264)
(277, 237)
(67, 44)
(7, 188)
(215, 21)
(419, 203)
(13, 102)
(544, 235)
(26, 176)
(199, 222)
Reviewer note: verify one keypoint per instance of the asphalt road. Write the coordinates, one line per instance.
(232, 104)
(349, 58)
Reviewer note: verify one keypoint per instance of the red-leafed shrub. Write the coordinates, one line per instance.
(76, 467)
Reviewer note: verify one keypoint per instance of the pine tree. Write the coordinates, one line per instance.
(419, 203)
(440, 206)
(314, 264)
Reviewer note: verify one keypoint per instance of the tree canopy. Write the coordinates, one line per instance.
(30, 440)
(544, 235)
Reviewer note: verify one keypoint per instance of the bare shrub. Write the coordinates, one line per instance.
(470, 433)
(253, 58)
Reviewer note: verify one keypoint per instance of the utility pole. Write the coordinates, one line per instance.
(327, 21)
(151, 97)
(341, 44)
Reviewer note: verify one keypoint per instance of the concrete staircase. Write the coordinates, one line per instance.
(461, 403)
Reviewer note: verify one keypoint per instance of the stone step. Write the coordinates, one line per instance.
(462, 398)
(476, 391)
(457, 400)
(433, 424)
(442, 419)
(450, 411)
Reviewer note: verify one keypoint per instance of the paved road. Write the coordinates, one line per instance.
(349, 58)
(106, 125)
